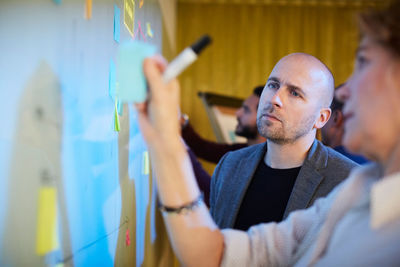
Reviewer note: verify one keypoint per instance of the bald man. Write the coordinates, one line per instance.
(265, 182)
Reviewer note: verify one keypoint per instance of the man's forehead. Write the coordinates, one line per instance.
(296, 72)
(289, 75)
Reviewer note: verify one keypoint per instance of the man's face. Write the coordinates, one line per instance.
(372, 102)
(291, 100)
(247, 118)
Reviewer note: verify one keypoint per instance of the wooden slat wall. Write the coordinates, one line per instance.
(248, 39)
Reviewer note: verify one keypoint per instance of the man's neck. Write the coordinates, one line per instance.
(336, 139)
(254, 141)
(291, 155)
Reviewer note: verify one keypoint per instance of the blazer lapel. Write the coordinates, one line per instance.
(308, 180)
(245, 171)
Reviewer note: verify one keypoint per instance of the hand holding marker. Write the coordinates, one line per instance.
(179, 64)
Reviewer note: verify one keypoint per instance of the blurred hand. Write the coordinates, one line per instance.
(158, 117)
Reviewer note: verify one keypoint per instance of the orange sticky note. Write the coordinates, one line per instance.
(141, 3)
(88, 9)
(46, 235)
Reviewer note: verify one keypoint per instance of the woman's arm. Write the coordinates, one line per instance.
(194, 236)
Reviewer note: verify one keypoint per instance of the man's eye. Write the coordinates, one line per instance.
(361, 61)
(273, 86)
(294, 93)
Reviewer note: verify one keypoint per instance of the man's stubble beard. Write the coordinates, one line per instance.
(247, 132)
(282, 135)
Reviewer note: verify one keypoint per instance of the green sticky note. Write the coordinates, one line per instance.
(131, 81)
(117, 126)
(145, 163)
(232, 136)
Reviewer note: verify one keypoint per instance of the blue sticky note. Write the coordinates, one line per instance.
(112, 80)
(131, 81)
(58, 2)
(120, 107)
(117, 29)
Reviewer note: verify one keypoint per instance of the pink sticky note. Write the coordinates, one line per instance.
(127, 238)
(139, 32)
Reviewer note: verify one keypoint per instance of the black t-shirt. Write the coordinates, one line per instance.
(266, 197)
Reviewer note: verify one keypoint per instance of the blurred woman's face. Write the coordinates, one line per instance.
(372, 102)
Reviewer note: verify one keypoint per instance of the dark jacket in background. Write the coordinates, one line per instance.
(205, 149)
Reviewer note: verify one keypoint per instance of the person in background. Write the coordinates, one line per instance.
(197, 146)
(357, 224)
(333, 131)
(246, 127)
(203, 179)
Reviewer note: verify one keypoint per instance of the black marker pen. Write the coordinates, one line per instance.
(185, 58)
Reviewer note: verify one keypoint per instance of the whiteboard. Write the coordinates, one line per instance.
(73, 191)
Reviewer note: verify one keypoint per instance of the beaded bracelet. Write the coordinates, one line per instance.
(184, 209)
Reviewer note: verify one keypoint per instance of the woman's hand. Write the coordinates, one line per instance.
(158, 117)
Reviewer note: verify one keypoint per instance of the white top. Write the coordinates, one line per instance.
(357, 224)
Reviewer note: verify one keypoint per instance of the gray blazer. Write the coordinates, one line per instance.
(321, 171)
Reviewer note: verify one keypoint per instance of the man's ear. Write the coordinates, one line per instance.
(323, 118)
(337, 117)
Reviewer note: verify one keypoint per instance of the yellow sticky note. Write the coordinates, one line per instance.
(117, 126)
(146, 163)
(149, 31)
(88, 9)
(46, 235)
(129, 15)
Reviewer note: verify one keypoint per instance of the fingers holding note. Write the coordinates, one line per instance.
(158, 117)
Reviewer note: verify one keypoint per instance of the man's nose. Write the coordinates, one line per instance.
(276, 98)
(238, 112)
